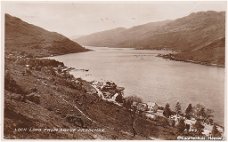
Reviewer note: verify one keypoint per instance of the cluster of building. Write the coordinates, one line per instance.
(150, 110)
(143, 107)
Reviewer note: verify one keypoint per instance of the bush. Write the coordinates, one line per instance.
(162, 121)
(167, 111)
(34, 89)
(119, 98)
(215, 132)
(178, 108)
(77, 121)
(189, 111)
(161, 107)
(50, 108)
(28, 71)
(128, 101)
(11, 84)
(181, 126)
(199, 127)
(33, 98)
(38, 63)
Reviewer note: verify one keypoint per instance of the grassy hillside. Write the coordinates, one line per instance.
(24, 38)
(211, 54)
(44, 97)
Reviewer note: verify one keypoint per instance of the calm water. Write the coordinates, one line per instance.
(152, 78)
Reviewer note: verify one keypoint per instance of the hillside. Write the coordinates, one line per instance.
(24, 38)
(211, 54)
(117, 36)
(104, 38)
(58, 101)
(187, 34)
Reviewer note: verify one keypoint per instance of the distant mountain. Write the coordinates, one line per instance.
(117, 36)
(211, 54)
(75, 36)
(22, 37)
(188, 34)
(104, 38)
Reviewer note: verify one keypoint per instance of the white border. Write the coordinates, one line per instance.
(2, 59)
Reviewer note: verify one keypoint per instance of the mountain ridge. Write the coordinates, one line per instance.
(186, 34)
(24, 38)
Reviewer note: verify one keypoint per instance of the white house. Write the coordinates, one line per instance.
(152, 106)
(139, 106)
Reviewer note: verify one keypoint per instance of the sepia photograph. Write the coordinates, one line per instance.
(113, 70)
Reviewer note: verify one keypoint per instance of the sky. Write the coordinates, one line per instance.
(74, 19)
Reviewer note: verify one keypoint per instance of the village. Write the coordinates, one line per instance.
(195, 120)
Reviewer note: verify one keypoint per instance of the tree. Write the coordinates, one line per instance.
(202, 113)
(178, 108)
(167, 111)
(209, 116)
(187, 127)
(128, 101)
(119, 98)
(215, 132)
(199, 127)
(188, 111)
(198, 110)
(210, 121)
(181, 126)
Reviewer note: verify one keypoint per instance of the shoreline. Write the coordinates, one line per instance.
(169, 56)
(172, 58)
